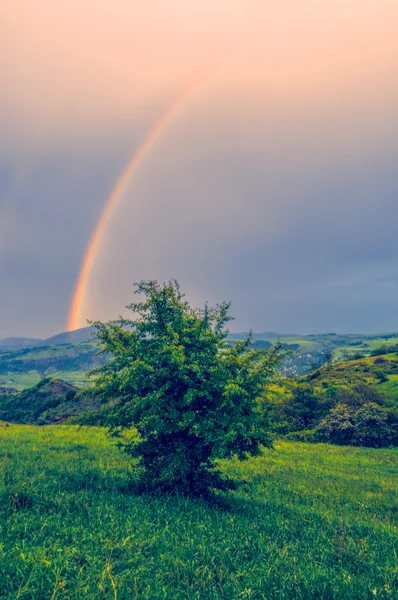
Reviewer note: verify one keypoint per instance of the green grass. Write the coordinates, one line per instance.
(366, 348)
(311, 522)
(390, 387)
(305, 344)
(77, 378)
(363, 370)
(20, 381)
(23, 381)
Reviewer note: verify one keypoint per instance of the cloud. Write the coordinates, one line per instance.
(275, 187)
(256, 215)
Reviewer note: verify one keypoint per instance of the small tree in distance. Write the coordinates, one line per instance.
(189, 396)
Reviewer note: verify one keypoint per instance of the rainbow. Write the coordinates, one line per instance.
(160, 127)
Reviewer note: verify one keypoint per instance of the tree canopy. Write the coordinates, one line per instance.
(188, 395)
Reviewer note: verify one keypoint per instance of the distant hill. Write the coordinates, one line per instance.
(25, 367)
(68, 337)
(18, 342)
(268, 335)
(70, 355)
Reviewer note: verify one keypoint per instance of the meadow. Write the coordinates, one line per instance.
(307, 522)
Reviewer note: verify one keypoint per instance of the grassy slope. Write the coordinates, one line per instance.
(368, 346)
(312, 522)
(69, 362)
(362, 371)
(22, 381)
(51, 401)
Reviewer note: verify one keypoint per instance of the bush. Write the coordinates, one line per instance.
(360, 394)
(338, 426)
(380, 375)
(369, 425)
(188, 396)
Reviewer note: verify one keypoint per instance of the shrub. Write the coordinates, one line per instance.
(369, 425)
(190, 397)
(380, 375)
(338, 426)
(360, 394)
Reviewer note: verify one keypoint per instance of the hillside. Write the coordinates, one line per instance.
(67, 337)
(70, 355)
(314, 350)
(25, 367)
(49, 401)
(380, 371)
(307, 522)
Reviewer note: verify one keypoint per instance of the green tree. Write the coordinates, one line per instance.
(189, 397)
(304, 408)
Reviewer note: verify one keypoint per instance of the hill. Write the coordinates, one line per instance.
(25, 367)
(18, 342)
(351, 403)
(68, 337)
(315, 522)
(24, 361)
(379, 370)
(71, 337)
(315, 350)
(50, 401)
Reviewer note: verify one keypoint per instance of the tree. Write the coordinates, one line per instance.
(188, 396)
(367, 425)
(338, 427)
(304, 408)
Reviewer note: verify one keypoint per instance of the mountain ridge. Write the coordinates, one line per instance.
(84, 334)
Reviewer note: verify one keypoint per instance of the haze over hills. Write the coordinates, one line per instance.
(84, 334)
(24, 362)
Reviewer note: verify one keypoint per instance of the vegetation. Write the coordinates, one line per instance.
(306, 408)
(311, 408)
(26, 367)
(309, 521)
(50, 401)
(188, 396)
(366, 425)
(352, 403)
(314, 521)
(69, 356)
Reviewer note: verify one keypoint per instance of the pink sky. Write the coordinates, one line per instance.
(76, 61)
(290, 146)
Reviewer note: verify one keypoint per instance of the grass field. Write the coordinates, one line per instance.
(310, 522)
(20, 381)
(368, 347)
(23, 381)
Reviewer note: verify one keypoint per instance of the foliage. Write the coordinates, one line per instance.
(383, 349)
(359, 394)
(28, 405)
(49, 401)
(380, 375)
(353, 415)
(300, 406)
(305, 407)
(368, 425)
(190, 396)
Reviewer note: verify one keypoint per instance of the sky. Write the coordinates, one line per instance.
(275, 186)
